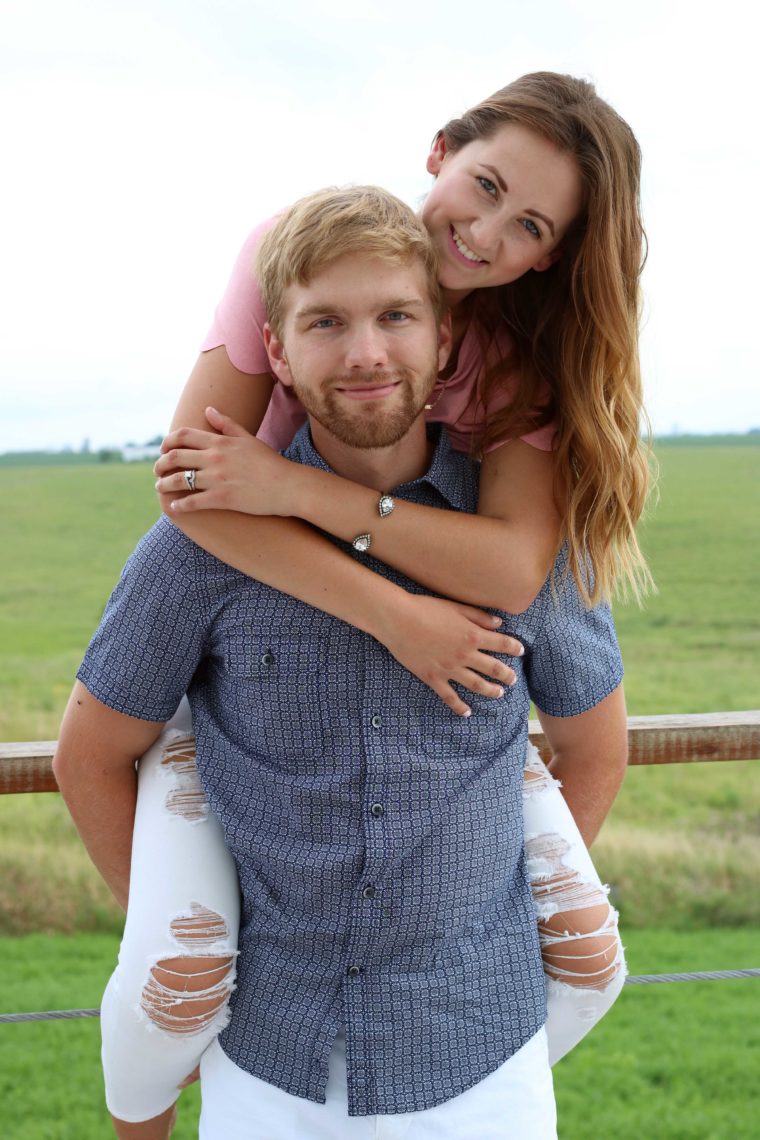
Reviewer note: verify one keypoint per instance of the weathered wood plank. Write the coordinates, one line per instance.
(686, 739)
(27, 766)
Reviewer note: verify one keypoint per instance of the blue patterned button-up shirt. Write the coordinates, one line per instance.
(378, 837)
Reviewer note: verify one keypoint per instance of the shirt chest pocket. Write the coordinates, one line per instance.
(279, 686)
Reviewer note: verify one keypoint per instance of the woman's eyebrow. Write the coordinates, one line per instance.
(543, 217)
(497, 177)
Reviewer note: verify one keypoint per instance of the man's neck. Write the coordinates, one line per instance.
(382, 468)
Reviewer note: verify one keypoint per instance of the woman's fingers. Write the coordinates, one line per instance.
(179, 457)
(493, 669)
(451, 699)
(495, 642)
(177, 481)
(474, 683)
(185, 437)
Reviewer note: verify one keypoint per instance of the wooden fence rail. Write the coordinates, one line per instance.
(26, 766)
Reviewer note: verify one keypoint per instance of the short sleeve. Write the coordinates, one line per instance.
(152, 636)
(240, 315)
(575, 661)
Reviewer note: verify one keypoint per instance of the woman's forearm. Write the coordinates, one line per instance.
(437, 640)
(499, 558)
(475, 559)
(291, 556)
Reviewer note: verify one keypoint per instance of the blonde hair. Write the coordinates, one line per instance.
(575, 328)
(322, 227)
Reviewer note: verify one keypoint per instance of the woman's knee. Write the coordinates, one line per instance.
(188, 992)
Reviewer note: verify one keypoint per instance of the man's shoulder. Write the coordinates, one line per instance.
(166, 549)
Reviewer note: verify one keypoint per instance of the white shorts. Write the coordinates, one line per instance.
(515, 1102)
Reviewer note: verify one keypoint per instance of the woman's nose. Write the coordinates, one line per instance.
(486, 233)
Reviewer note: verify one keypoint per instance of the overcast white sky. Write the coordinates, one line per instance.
(141, 140)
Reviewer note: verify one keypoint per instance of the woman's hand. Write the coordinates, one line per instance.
(442, 641)
(234, 471)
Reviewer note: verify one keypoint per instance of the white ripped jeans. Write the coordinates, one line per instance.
(167, 998)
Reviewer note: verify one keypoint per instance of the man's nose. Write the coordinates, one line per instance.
(366, 348)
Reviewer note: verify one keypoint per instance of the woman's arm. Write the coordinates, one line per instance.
(499, 558)
(438, 641)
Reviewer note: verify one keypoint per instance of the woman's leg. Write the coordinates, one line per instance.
(580, 944)
(167, 999)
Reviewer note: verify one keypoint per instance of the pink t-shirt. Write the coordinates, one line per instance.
(238, 324)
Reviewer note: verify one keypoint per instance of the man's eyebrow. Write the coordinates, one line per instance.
(503, 186)
(319, 309)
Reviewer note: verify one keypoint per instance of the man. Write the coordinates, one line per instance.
(388, 934)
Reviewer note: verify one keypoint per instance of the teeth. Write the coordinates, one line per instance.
(464, 249)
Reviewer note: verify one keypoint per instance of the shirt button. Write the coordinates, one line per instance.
(267, 658)
(376, 721)
(377, 810)
(369, 892)
(354, 971)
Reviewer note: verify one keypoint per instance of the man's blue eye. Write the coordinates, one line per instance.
(395, 315)
(324, 323)
(488, 185)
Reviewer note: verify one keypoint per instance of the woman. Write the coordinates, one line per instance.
(534, 214)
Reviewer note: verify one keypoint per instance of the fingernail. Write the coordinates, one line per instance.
(512, 682)
(521, 651)
(468, 712)
(495, 620)
(499, 694)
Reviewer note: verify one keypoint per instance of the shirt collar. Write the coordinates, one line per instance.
(450, 473)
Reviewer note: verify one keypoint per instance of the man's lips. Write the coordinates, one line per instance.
(368, 391)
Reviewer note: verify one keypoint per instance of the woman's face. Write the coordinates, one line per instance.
(499, 207)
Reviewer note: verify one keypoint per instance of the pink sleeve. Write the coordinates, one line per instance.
(239, 318)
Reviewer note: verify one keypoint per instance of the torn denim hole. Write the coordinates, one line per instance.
(189, 994)
(536, 776)
(186, 798)
(577, 926)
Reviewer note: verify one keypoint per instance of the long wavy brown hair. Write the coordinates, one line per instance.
(575, 328)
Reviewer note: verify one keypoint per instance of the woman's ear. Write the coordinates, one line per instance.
(276, 352)
(437, 155)
(549, 260)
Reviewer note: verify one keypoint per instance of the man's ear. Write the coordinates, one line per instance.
(276, 352)
(445, 340)
(549, 260)
(436, 156)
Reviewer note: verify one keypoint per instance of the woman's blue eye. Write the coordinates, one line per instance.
(532, 228)
(488, 185)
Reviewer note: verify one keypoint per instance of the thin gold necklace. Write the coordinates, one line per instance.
(444, 386)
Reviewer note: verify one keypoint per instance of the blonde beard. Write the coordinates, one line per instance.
(366, 431)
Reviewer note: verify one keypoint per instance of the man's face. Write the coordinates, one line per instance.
(361, 347)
